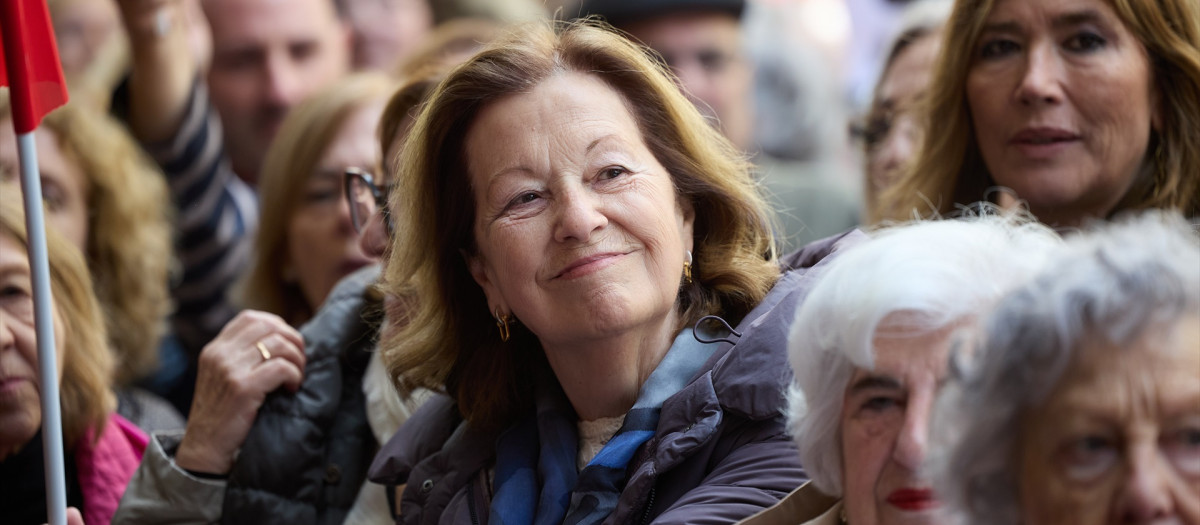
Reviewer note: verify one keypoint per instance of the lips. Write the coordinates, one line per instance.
(913, 499)
(10, 383)
(1044, 144)
(1040, 136)
(588, 264)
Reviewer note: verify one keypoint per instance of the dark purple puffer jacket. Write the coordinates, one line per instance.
(720, 454)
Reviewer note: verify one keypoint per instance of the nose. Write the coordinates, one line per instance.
(912, 442)
(899, 146)
(1146, 496)
(579, 215)
(694, 81)
(1040, 83)
(8, 340)
(282, 83)
(345, 224)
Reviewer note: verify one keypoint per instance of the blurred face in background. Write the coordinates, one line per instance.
(82, 28)
(20, 400)
(64, 183)
(893, 133)
(268, 55)
(1118, 439)
(704, 50)
(322, 246)
(386, 31)
(1062, 99)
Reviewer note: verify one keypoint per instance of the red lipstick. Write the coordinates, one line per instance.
(913, 499)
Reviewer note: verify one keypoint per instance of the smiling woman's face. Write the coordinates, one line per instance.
(1062, 99)
(578, 230)
(1118, 439)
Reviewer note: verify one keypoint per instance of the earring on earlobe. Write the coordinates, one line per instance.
(502, 323)
(687, 267)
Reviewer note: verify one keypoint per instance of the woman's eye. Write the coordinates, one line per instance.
(998, 48)
(1085, 42)
(612, 172)
(1182, 446)
(879, 404)
(321, 195)
(524, 198)
(1089, 456)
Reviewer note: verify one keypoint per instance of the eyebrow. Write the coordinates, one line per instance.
(591, 146)
(1061, 21)
(875, 382)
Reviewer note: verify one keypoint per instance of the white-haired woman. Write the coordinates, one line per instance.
(1090, 375)
(869, 348)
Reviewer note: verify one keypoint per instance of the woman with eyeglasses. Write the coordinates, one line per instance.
(308, 452)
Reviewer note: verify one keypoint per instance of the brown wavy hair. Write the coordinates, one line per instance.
(949, 171)
(129, 245)
(87, 364)
(449, 342)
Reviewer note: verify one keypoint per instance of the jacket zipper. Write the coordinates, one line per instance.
(471, 503)
(649, 505)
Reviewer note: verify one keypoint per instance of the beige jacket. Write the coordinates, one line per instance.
(804, 506)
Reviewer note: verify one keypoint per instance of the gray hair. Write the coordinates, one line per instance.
(938, 273)
(1116, 282)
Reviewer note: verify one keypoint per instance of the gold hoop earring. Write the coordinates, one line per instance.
(502, 323)
(687, 267)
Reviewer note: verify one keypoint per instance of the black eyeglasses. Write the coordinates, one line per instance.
(364, 198)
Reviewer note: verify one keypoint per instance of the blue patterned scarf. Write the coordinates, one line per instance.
(536, 479)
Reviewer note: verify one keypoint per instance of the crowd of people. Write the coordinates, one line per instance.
(601, 261)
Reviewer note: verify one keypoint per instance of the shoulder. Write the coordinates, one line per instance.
(805, 505)
(437, 455)
(752, 374)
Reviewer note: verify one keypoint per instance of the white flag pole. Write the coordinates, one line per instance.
(43, 306)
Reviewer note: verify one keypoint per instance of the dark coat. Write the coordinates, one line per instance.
(720, 453)
(306, 456)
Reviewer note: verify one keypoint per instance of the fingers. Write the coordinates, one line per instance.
(74, 517)
(280, 372)
(283, 350)
(236, 346)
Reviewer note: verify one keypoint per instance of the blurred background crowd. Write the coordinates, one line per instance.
(309, 256)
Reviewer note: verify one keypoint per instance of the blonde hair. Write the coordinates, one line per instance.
(84, 391)
(447, 341)
(307, 132)
(129, 248)
(949, 170)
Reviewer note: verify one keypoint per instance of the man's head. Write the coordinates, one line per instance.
(268, 55)
(701, 41)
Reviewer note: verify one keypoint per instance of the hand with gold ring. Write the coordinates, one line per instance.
(255, 354)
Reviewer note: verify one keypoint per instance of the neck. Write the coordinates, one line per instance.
(602, 376)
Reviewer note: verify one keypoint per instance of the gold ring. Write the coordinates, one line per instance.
(262, 349)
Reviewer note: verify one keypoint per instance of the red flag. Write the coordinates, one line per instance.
(29, 64)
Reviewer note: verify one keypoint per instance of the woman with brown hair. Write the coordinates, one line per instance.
(559, 187)
(1079, 108)
(102, 448)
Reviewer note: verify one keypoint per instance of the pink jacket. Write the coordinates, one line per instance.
(106, 467)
